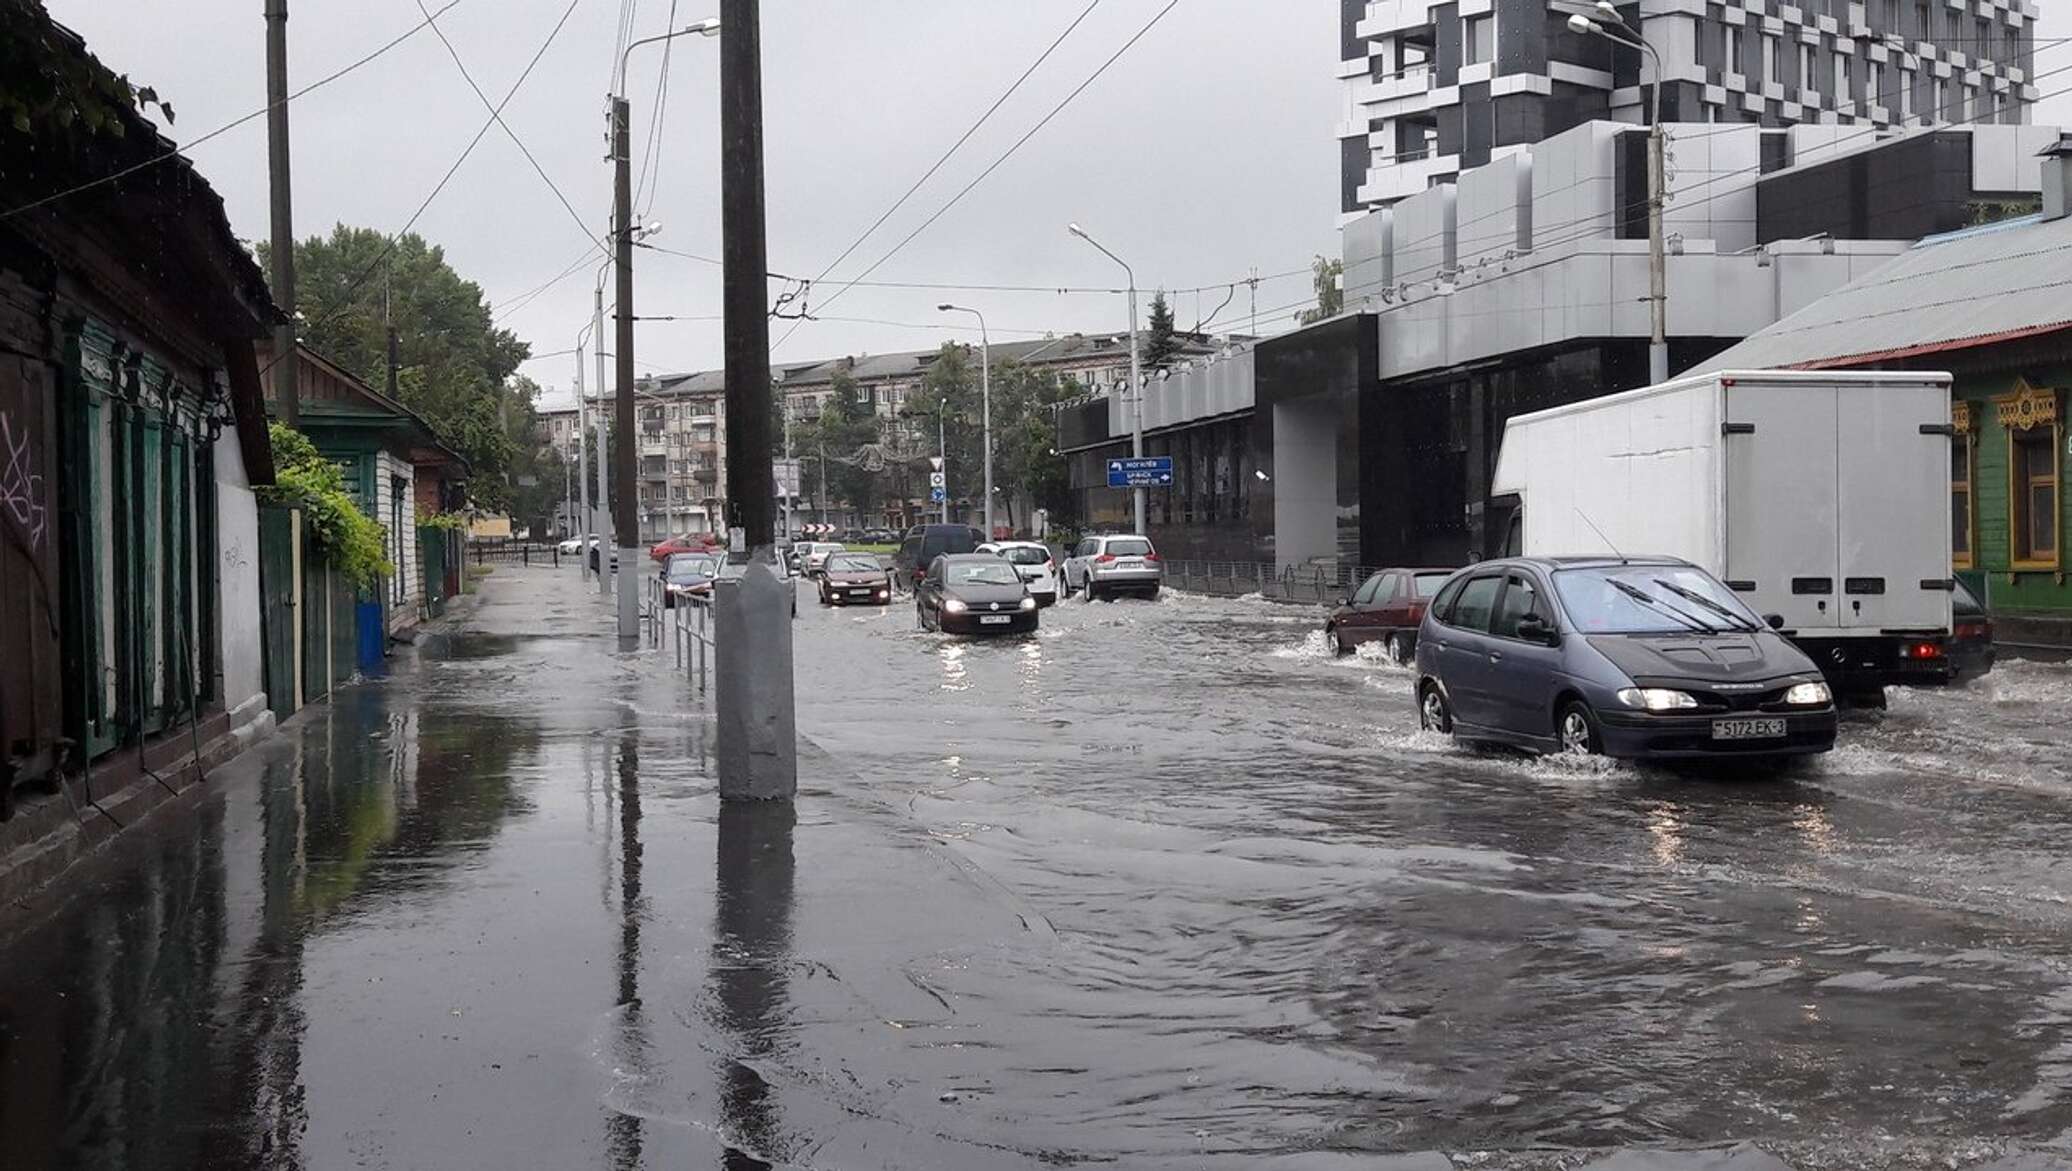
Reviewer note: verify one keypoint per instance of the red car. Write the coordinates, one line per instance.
(688, 543)
(1386, 608)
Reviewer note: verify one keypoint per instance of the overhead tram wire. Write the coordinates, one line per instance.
(995, 165)
(227, 127)
(961, 140)
(345, 302)
(496, 113)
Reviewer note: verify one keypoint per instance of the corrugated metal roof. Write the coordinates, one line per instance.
(1967, 288)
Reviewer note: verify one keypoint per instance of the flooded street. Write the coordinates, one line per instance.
(1165, 885)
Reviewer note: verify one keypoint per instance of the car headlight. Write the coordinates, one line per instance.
(1656, 699)
(1808, 695)
(1028, 603)
(953, 606)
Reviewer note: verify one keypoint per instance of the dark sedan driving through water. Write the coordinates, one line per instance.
(1641, 657)
(974, 593)
(847, 578)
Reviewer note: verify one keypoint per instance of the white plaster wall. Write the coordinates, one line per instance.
(237, 577)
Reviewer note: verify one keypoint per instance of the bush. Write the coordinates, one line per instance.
(356, 543)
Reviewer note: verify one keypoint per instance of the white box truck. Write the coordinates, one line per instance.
(1823, 499)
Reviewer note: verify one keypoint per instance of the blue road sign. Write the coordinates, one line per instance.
(1152, 471)
(937, 495)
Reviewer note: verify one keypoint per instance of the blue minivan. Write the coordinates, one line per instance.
(1637, 657)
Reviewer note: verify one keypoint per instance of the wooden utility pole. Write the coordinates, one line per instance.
(755, 709)
(285, 387)
(626, 509)
(751, 490)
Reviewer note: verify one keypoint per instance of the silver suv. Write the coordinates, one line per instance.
(1121, 563)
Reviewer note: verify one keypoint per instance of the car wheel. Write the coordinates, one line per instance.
(1093, 593)
(1392, 646)
(1338, 643)
(1434, 714)
(1577, 730)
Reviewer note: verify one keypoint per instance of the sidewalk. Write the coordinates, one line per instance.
(488, 912)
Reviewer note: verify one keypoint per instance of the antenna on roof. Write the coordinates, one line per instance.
(1600, 535)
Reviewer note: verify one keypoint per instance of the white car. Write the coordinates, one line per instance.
(572, 545)
(1115, 563)
(1033, 561)
(813, 555)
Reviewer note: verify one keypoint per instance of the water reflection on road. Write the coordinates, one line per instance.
(1165, 884)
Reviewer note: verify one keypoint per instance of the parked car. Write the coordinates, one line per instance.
(688, 575)
(1639, 657)
(816, 555)
(922, 544)
(686, 543)
(973, 593)
(854, 577)
(1971, 652)
(1387, 608)
(1122, 563)
(1033, 561)
(571, 545)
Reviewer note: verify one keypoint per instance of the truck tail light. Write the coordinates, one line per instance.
(1922, 650)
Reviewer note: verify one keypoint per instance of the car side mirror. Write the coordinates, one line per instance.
(1776, 621)
(1534, 628)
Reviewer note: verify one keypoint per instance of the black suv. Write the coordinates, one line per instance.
(924, 543)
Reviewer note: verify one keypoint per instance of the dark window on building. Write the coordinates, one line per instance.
(1960, 500)
(1478, 40)
(2033, 475)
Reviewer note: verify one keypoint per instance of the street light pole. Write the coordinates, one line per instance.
(985, 382)
(1136, 393)
(942, 453)
(1658, 277)
(583, 463)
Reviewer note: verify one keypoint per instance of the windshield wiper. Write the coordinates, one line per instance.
(1733, 619)
(1641, 595)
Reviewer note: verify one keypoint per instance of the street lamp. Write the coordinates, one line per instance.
(1658, 291)
(985, 382)
(626, 517)
(1136, 398)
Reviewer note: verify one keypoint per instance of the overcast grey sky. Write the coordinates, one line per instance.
(1206, 152)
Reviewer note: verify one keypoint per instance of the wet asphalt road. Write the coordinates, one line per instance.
(1164, 885)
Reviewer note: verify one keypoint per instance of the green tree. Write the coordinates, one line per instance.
(1161, 344)
(848, 425)
(1330, 298)
(455, 364)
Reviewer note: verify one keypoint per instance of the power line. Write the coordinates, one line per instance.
(652, 157)
(496, 114)
(345, 298)
(955, 146)
(232, 125)
(1007, 154)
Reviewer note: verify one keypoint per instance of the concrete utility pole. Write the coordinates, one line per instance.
(604, 545)
(286, 387)
(758, 732)
(942, 455)
(582, 433)
(1136, 394)
(626, 511)
(985, 384)
(1658, 196)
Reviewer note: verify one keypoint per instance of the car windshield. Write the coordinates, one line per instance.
(1128, 547)
(853, 563)
(1649, 599)
(1025, 554)
(1429, 583)
(1002, 574)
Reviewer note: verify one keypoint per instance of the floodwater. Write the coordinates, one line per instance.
(1166, 884)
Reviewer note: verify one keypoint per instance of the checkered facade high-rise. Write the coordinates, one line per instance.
(1432, 88)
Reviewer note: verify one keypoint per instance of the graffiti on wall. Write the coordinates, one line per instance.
(21, 488)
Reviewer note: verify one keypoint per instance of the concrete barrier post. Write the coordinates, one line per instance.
(758, 728)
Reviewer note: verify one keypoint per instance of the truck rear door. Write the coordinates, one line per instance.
(1779, 458)
(1893, 486)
